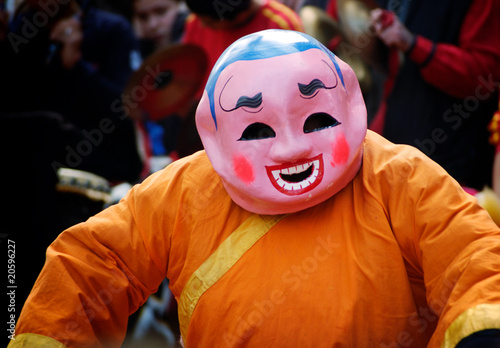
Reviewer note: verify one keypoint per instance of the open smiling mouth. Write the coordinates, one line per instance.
(297, 178)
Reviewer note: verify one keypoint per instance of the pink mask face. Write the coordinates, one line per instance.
(288, 134)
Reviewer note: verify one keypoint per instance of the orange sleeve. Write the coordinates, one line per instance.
(459, 250)
(448, 239)
(98, 273)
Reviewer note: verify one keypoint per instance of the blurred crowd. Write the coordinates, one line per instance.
(75, 135)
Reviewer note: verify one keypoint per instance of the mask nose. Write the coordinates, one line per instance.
(152, 23)
(289, 148)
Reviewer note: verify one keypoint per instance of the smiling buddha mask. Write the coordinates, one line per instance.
(282, 121)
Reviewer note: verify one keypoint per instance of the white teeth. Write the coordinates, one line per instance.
(294, 170)
(276, 174)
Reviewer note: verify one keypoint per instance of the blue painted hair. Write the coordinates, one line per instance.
(261, 45)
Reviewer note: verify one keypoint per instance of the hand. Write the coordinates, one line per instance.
(69, 33)
(390, 30)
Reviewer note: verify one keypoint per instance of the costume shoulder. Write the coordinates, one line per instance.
(382, 155)
(416, 194)
(198, 160)
(188, 182)
(388, 167)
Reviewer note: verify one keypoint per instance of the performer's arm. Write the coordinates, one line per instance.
(456, 69)
(459, 70)
(96, 274)
(457, 246)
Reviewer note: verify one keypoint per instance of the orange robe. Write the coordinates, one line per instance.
(400, 257)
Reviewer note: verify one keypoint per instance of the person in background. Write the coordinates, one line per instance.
(64, 67)
(443, 93)
(158, 23)
(77, 65)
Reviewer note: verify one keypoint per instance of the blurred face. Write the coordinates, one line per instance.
(288, 134)
(155, 18)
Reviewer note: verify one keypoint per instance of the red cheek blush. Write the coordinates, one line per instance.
(340, 150)
(243, 169)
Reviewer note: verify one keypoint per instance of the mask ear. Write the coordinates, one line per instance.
(205, 125)
(204, 121)
(355, 100)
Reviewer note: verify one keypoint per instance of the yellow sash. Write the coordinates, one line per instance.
(34, 341)
(226, 255)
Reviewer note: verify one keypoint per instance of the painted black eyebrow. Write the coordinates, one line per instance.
(308, 91)
(251, 102)
(310, 88)
(243, 101)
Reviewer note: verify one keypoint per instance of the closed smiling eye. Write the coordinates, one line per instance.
(319, 121)
(257, 131)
